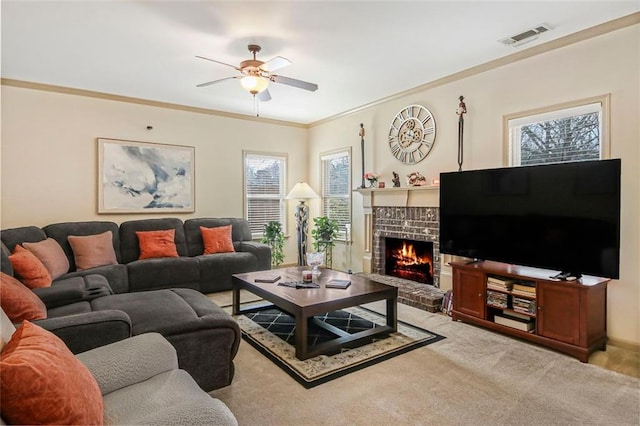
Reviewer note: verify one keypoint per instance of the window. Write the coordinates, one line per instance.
(335, 169)
(264, 181)
(570, 133)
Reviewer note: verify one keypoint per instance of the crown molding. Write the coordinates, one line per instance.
(119, 98)
(586, 34)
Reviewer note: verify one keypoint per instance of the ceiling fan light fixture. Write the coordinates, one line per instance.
(254, 84)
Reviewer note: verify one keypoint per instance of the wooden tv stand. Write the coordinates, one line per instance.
(568, 316)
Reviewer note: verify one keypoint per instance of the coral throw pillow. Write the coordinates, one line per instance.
(51, 255)
(29, 269)
(157, 244)
(91, 251)
(43, 383)
(217, 240)
(18, 302)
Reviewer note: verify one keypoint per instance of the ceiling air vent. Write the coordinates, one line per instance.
(525, 36)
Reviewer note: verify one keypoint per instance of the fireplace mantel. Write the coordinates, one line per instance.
(414, 196)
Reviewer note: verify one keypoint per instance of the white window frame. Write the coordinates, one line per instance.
(325, 156)
(280, 196)
(512, 124)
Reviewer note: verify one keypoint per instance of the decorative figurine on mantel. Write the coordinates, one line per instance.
(416, 179)
(396, 180)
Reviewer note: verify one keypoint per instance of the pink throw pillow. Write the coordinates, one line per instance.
(91, 251)
(51, 255)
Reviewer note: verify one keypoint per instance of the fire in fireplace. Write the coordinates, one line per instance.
(409, 259)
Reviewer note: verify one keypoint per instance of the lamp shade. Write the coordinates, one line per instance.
(301, 191)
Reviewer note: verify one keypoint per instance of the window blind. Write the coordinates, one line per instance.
(264, 190)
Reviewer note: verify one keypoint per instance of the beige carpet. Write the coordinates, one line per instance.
(473, 377)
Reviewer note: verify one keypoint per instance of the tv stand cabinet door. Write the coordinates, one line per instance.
(558, 315)
(469, 292)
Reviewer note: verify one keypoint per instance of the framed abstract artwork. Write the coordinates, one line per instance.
(144, 177)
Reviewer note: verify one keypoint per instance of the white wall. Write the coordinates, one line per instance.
(601, 65)
(49, 155)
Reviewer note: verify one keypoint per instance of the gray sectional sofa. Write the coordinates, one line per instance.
(97, 306)
(206, 273)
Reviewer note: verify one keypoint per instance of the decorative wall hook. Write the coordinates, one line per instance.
(361, 134)
(461, 111)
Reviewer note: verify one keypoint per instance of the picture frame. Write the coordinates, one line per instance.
(145, 177)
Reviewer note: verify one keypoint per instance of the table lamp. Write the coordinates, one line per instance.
(303, 192)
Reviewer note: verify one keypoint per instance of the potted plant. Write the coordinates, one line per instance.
(323, 233)
(274, 237)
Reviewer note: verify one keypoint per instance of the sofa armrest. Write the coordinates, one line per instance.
(130, 361)
(63, 292)
(81, 332)
(74, 289)
(260, 250)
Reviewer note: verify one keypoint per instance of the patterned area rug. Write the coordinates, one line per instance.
(271, 332)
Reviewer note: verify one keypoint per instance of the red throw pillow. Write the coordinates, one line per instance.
(51, 255)
(217, 240)
(29, 269)
(43, 383)
(91, 251)
(18, 302)
(157, 244)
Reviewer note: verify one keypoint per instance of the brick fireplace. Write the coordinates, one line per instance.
(409, 224)
(410, 214)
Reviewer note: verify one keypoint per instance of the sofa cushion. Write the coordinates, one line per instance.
(14, 236)
(217, 240)
(157, 244)
(18, 302)
(150, 402)
(29, 269)
(129, 245)
(43, 383)
(61, 231)
(165, 272)
(216, 269)
(51, 254)
(90, 251)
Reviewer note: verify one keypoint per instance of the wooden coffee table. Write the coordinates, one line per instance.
(304, 303)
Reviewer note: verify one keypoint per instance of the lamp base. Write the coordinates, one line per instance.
(302, 226)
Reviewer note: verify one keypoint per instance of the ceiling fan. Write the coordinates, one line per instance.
(255, 75)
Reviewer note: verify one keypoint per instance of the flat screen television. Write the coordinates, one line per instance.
(563, 217)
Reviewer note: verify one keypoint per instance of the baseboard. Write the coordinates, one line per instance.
(624, 344)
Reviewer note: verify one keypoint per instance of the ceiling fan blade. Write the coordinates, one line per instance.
(209, 83)
(275, 64)
(295, 83)
(264, 96)
(218, 62)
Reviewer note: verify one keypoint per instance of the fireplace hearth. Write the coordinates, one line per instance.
(409, 259)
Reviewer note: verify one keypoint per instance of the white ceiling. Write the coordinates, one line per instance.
(356, 51)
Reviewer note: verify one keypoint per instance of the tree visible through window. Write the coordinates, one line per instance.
(264, 178)
(336, 188)
(570, 134)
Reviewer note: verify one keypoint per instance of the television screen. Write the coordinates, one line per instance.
(563, 217)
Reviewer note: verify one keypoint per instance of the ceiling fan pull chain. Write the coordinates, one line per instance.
(256, 105)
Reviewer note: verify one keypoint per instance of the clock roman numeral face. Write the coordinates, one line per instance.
(412, 134)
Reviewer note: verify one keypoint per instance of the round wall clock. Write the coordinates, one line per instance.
(412, 133)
